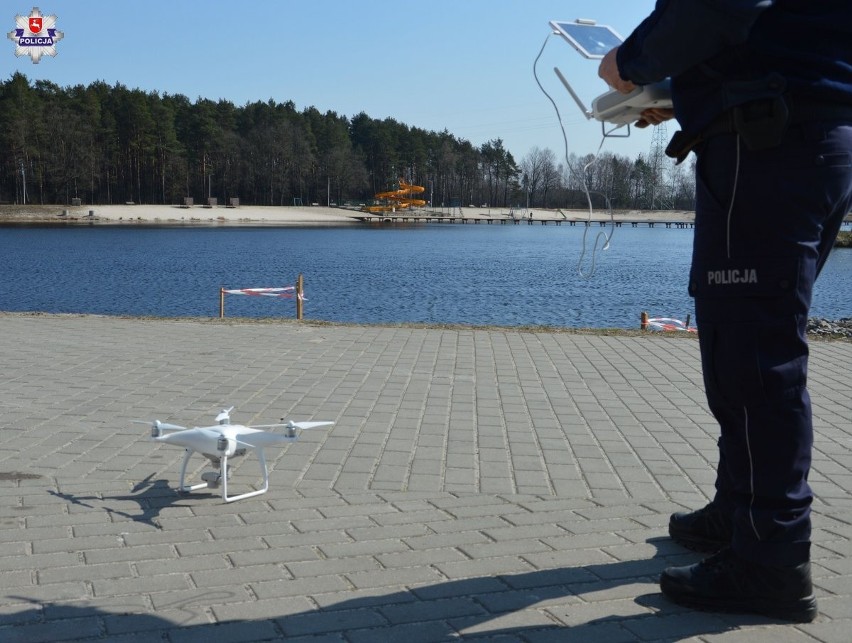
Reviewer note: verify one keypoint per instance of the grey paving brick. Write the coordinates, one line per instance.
(580, 613)
(678, 626)
(273, 555)
(388, 531)
(306, 539)
(523, 532)
(327, 566)
(22, 534)
(129, 554)
(469, 524)
(483, 567)
(118, 587)
(509, 621)
(394, 577)
(45, 561)
(230, 632)
(524, 546)
(325, 524)
(21, 578)
(48, 546)
(437, 610)
(52, 631)
(300, 586)
(262, 609)
(146, 625)
(363, 598)
(44, 593)
(195, 601)
(224, 577)
(449, 539)
(504, 484)
(411, 633)
(433, 518)
(517, 600)
(117, 605)
(312, 623)
(83, 572)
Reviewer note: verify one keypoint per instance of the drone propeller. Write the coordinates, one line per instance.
(306, 425)
(244, 445)
(290, 427)
(158, 427)
(224, 416)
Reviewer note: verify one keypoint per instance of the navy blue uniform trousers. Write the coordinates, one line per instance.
(765, 224)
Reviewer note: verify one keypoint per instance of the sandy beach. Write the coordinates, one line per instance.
(291, 215)
(166, 214)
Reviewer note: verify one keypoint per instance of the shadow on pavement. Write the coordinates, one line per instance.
(602, 602)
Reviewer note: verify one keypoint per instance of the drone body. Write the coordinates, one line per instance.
(225, 440)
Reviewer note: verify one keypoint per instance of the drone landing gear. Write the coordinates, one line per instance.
(213, 479)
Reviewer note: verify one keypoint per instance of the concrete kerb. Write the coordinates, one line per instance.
(482, 483)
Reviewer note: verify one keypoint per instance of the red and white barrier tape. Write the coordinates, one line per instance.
(668, 323)
(286, 292)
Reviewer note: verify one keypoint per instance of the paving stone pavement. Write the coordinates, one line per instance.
(479, 484)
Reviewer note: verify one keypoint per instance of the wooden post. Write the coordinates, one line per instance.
(688, 318)
(643, 320)
(300, 289)
(221, 303)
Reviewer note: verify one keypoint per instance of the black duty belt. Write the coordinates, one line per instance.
(762, 123)
(799, 111)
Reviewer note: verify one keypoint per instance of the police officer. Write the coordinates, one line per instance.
(762, 90)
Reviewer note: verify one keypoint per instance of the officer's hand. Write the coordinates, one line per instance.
(654, 116)
(608, 70)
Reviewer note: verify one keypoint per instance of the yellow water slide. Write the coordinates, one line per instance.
(397, 199)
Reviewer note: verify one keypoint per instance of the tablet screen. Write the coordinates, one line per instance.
(591, 40)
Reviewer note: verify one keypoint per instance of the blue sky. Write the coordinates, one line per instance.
(463, 65)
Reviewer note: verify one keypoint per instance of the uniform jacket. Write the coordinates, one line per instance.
(723, 53)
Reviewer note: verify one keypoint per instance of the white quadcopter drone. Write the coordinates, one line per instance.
(224, 440)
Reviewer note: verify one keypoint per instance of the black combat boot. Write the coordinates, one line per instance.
(724, 582)
(707, 529)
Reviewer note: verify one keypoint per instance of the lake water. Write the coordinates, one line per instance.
(469, 274)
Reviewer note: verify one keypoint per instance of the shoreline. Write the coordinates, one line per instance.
(819, 329)
(287, 215)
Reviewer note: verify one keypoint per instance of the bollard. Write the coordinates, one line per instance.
(643, 321)
(222, 303)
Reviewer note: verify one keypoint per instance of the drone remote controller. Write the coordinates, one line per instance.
(624, 109)
(594, 41)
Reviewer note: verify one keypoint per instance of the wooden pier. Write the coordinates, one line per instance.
(400, 218)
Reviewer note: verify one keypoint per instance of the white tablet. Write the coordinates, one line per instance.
(586, 36)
